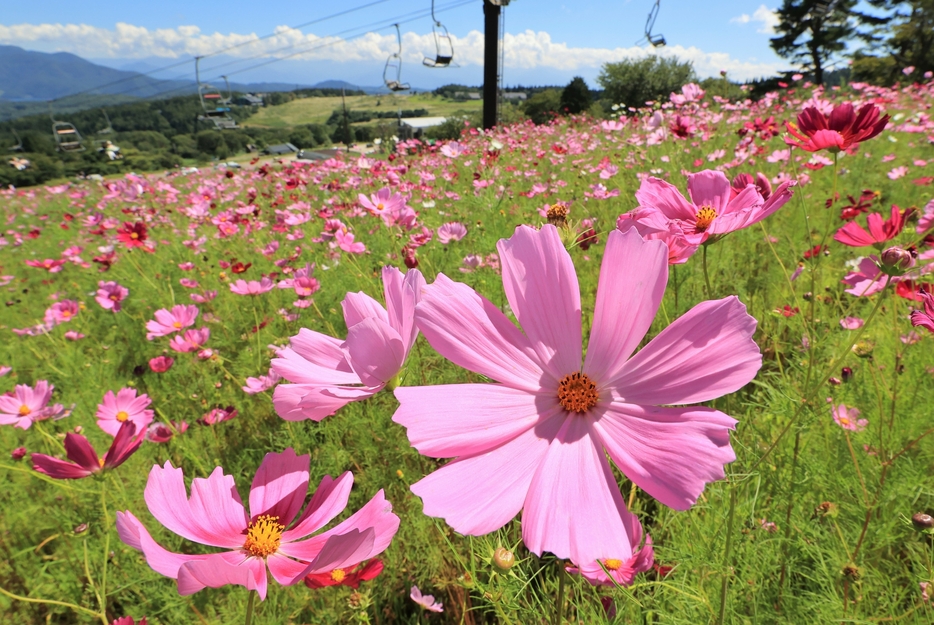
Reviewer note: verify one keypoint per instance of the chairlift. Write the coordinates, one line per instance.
(392, 72)
(109, 129)
(444, 46)
(67, 137)
(656, 40)
(215, 107)
(19, 142)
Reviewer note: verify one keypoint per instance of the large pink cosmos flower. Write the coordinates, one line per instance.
(122, 407)
(841, 130)
(880, 230)
(328, 373)
(84, 460)
(714, 210)
(171, 321)
(270, 535)
(537, 441)
(27, 405)
(391, 207)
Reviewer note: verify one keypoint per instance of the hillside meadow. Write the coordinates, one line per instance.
(829, 381)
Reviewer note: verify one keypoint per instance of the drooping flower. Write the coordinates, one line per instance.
(161, 364)
(867, 280)
(841, 130)
(122, 407)
(28, 404)
(537, 440)
(218, 415)
(253, 287)
(191, 341)
(619, 571)
(327, 373)
(880, 230)
(110, 295)
(262, 383)
(84, 460)
(848, 418)
(851, 323)
(452, 231)
(349, 576)
(171, 321)
(269, 535)
(925, 318)
(426, 601)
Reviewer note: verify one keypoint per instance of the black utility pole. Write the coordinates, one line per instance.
(490, 62)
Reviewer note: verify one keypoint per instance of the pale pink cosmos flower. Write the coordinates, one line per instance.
(867, 280)
(617, 571)
(452, 149)
(84, 459)
(61, 312)
(191, 341)
(530, 441)
(426, 601)
(122, 407)
(851, 323)
(897, 172)
(253, 287)
(261, 384)
(4, 369)
(71, 335)
(848, 418)
(110, 295)
(452, 231)
(28, 404)
(188, 283)
(171, 321)
(269, 535)
(204, 298)
(653, 225)
(345, 240)
(327, 373)
(924, 318)
(391, 207)
(926, 221)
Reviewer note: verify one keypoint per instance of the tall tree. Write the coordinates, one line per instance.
(812, 32)
(907, 41)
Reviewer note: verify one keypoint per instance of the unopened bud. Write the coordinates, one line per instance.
(846, 373)
(863, 349)
(504, 559)
(80, 529)
(922, 521)
(18, 453)
(896, 261)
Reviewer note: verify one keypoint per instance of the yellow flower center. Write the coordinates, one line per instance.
(114, 297)
(705, 217)
(338, 575)
(24, 410)
(263, 535)
(66, 313)
(844, 421)
(177, 324)
(122, 416)
(577, 393)
(100, 461)
(134, 235)
(612, 564)
(380, 206)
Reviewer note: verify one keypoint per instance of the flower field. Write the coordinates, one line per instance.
(672, 367)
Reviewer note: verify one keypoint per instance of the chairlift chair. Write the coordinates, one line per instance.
(392, 72)
(19, 142)
(109, 129)
(444, 46)
(66, 135)
(657, 41)
(215, 107)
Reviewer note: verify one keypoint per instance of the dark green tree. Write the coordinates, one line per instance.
(576, 97)
(543, 107)
(906, 39)
(634, 82)
(812, 32)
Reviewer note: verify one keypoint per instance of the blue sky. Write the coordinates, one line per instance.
(547, 41)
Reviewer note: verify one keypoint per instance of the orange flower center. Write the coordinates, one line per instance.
(705, 217)
(338, 575)
(612, 564)
(122, 416)
(66, 313)
(844, 421)
(177, 324)
(577, 393)
(100, 461)
(263, 536)
(380, 206)
(24, 410)
(134, 235)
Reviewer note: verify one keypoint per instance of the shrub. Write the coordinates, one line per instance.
(633, 82)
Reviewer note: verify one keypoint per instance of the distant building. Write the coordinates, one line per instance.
(467, 95)
(414, 127)
(280, 149)
(249, 99)
(515, 95)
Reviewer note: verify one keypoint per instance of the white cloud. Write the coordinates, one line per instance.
(524, 50)
(768, 18)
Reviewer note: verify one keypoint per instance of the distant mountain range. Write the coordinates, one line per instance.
(29, 77)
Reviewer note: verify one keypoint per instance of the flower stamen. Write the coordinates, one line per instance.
(338, 575)
(122, 416)
(612, 564)
(705, 217)
(577, 393)
(263, 536)
(24, 410)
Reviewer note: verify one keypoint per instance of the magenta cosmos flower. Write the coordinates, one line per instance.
(841, 130)
(110, 295)
(269, 535)
(327, 373)
(614, 571)
(27, 405)
(924, 318)
(84, 460)
(880, 230)
(122, 407)
(171, 321)
(537, 441)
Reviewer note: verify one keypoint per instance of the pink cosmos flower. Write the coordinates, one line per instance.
(218, 415)
(61, 312)
(128, 620)
(188, 283)
(5, 370)
(261, 384)
(71, 335)
(122, 407)
(391, 207)
(714, 209)
(328, 373)
(847, 418)
(621, 572)
(851, 323)
(242, 287)
(161, 364)
(531, 440)
(897, 172)
(203, 299)
(867, 280)
(268, 536)
(84, 460)
(345, 240)
(841, 130)
(169, 322)
(163, 433)
(926, 221)
(653, 225)
(426, 601)
(452, 231)
(925, 318)
(28, 404)
(192, 341)
(880, 230)
(110, 295)
(49, 264)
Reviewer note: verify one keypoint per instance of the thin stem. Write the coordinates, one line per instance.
(559, 602)
(106, 526)
(788, 511)
(859, 473)
(724, 585)
(251, 598)
(706, 276)
(76, 608)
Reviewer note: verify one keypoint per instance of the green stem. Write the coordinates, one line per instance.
(249, 607)
(706, 276)
(106, 527)
(724, 585)
(559, 602)
(788, 511)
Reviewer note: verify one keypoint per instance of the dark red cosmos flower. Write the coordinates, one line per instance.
(761, 182)
(345, 577)
(240, 267)
(84, 460)
(880, 230)
(857, 206)
(842, 130)
(132, 235)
